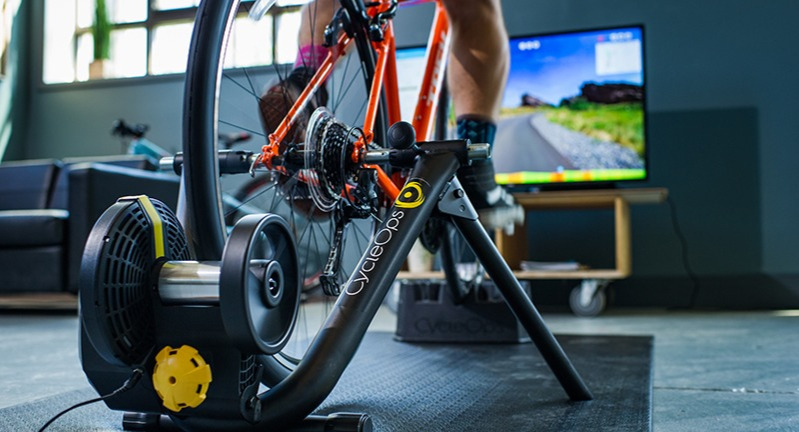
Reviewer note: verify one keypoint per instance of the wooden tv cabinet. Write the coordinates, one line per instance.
(514, 248)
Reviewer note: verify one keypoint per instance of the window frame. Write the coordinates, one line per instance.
(156, 17)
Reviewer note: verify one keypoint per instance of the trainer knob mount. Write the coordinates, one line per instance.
(401, 136)
(181, 377)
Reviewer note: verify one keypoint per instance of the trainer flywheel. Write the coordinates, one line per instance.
(137, 254)
(256, 286)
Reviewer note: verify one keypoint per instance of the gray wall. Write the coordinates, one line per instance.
(721, 88)
(15, 86)
(713, 55)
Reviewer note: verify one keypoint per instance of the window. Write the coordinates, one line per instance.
(151, 37)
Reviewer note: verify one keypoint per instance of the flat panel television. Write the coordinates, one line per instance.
(573, 110)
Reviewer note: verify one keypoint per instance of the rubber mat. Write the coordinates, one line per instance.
(435, 387)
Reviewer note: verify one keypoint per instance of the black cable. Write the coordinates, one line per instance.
(129, 383)
(684, 247)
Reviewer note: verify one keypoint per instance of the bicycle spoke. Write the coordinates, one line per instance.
(252, 86)
(240, 85)
(342, 92)
(250, 199)
(282, 80)
(304, 233)
(291, 210)
(340, 274)
(346, 90)
(363, 106)
(275, 201)
(254, 132)
(359, 231)
(331, 228)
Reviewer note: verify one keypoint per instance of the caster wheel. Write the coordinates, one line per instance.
(588, 299)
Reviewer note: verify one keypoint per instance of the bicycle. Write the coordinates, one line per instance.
(133, 141)
(338, 174)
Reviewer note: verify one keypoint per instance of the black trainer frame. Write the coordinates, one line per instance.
(433, 188)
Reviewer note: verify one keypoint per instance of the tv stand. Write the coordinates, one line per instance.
(514, 248)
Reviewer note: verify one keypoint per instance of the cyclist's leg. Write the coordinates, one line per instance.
(315, 16)
(277, 100)
(479, 60)
(477, 72)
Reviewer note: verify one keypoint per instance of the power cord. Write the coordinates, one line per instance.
(684, 247)
(129, 384)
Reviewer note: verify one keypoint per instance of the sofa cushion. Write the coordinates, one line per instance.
(95, 187)
(28, 228)
(28, 184)
(34, 269)
(59, 198)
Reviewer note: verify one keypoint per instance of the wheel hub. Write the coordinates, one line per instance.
(273, 284)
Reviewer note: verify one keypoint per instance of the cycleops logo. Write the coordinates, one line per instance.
(369, 261)
(411, 196)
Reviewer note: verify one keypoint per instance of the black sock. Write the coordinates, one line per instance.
(476, 129)
(477, 178)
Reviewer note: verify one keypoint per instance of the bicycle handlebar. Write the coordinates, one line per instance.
(124, 130)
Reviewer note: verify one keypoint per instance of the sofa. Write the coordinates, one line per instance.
(48, 207)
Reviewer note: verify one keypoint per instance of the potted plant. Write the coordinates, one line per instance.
(101, 31)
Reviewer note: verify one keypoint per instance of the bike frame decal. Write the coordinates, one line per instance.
(411, 196)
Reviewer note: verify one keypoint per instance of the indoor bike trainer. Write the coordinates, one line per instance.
(203, 336)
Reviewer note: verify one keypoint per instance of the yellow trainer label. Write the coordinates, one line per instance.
(155, 220)
(158, 225)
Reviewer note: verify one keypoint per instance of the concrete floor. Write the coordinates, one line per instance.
(730, 371)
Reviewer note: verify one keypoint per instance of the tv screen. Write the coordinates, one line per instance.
(573, 109)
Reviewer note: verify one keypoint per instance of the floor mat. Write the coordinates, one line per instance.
(427, 387)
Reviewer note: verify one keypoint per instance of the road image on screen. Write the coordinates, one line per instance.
(573, 109)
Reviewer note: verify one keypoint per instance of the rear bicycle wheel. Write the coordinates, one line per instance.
(462, 270)
(219, 99)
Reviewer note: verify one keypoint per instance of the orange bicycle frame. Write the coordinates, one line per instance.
(383, 83)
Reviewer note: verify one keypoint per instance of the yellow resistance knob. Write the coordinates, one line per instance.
(181, 377)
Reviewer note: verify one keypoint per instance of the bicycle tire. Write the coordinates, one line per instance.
(206, 221)
(462, 270)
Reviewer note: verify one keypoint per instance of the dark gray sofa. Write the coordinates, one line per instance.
(48, 207)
